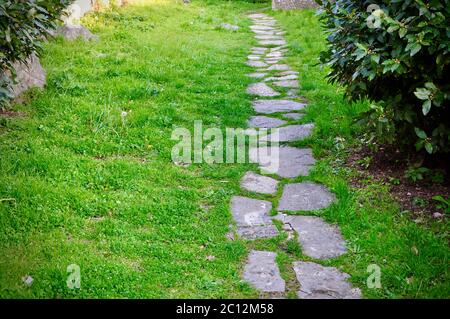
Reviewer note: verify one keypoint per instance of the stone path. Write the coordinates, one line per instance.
(275, 88)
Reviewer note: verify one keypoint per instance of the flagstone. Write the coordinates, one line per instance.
(279, 67)
(259, 184)
(290, 133)
(284, 161)
(274, 106)
(262, 272)
(282, 78)
(260, 121)
(305, 196)
(256, 64)
(319, 282)
(317, 238)
(261, 89)
(252, 218)
(272, 42)
(287, 83)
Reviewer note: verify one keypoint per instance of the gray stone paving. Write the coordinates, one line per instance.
(282, 78)
(319, 282)
(279, 67)
(305, 196)
(259, 184)
(317, 238)
(264, 122)
(287, 83)
(275, 106)
(285, 161)
(261, 89)
(256, 64)
(290, 133)
(252, 217)
(261, 271)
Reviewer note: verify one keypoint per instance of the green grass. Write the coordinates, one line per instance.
(81, 185)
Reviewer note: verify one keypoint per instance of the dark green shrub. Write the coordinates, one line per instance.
(398, 57)
(24, 24)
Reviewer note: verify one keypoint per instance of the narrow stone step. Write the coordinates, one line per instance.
(252, 218)
(305, 196)
(259, 184)
(275, 106)
(319, 282)
(285, 161)
(279, 67)
(260, 121)
(261, 89)
(290, 133)
(271, 42)
(254, 57)
(282, 78)
(256, 64)
(287, 83)
(268, 37)
(317, 238)
(261, 272)
(262, 28)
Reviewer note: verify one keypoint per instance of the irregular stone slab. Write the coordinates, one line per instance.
(257, 75)
(264, 122)
(264, 32)
(275, 54)
(317, 238)
(261, 89)
(305, 196)
(228, 26)
(268, 37)
(257, 232)
(290, 133)
(261, 271)
(285, 161)
(293, 116)
(269, 23)
(282, 78)
(272, 42)
(319, 282)
(256, 64)
(259, 49)
(287, 84)
(279, 67)
(252, 218)
(254, 57)
(259, 183)
(274, 106)
(258, 16)
(287, 73)
(262, 28)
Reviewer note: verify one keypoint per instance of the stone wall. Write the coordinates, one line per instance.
(293, 4)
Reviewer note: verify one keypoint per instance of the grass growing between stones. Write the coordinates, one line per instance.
(83, 183)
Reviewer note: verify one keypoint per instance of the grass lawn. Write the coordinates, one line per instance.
(80, 183)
